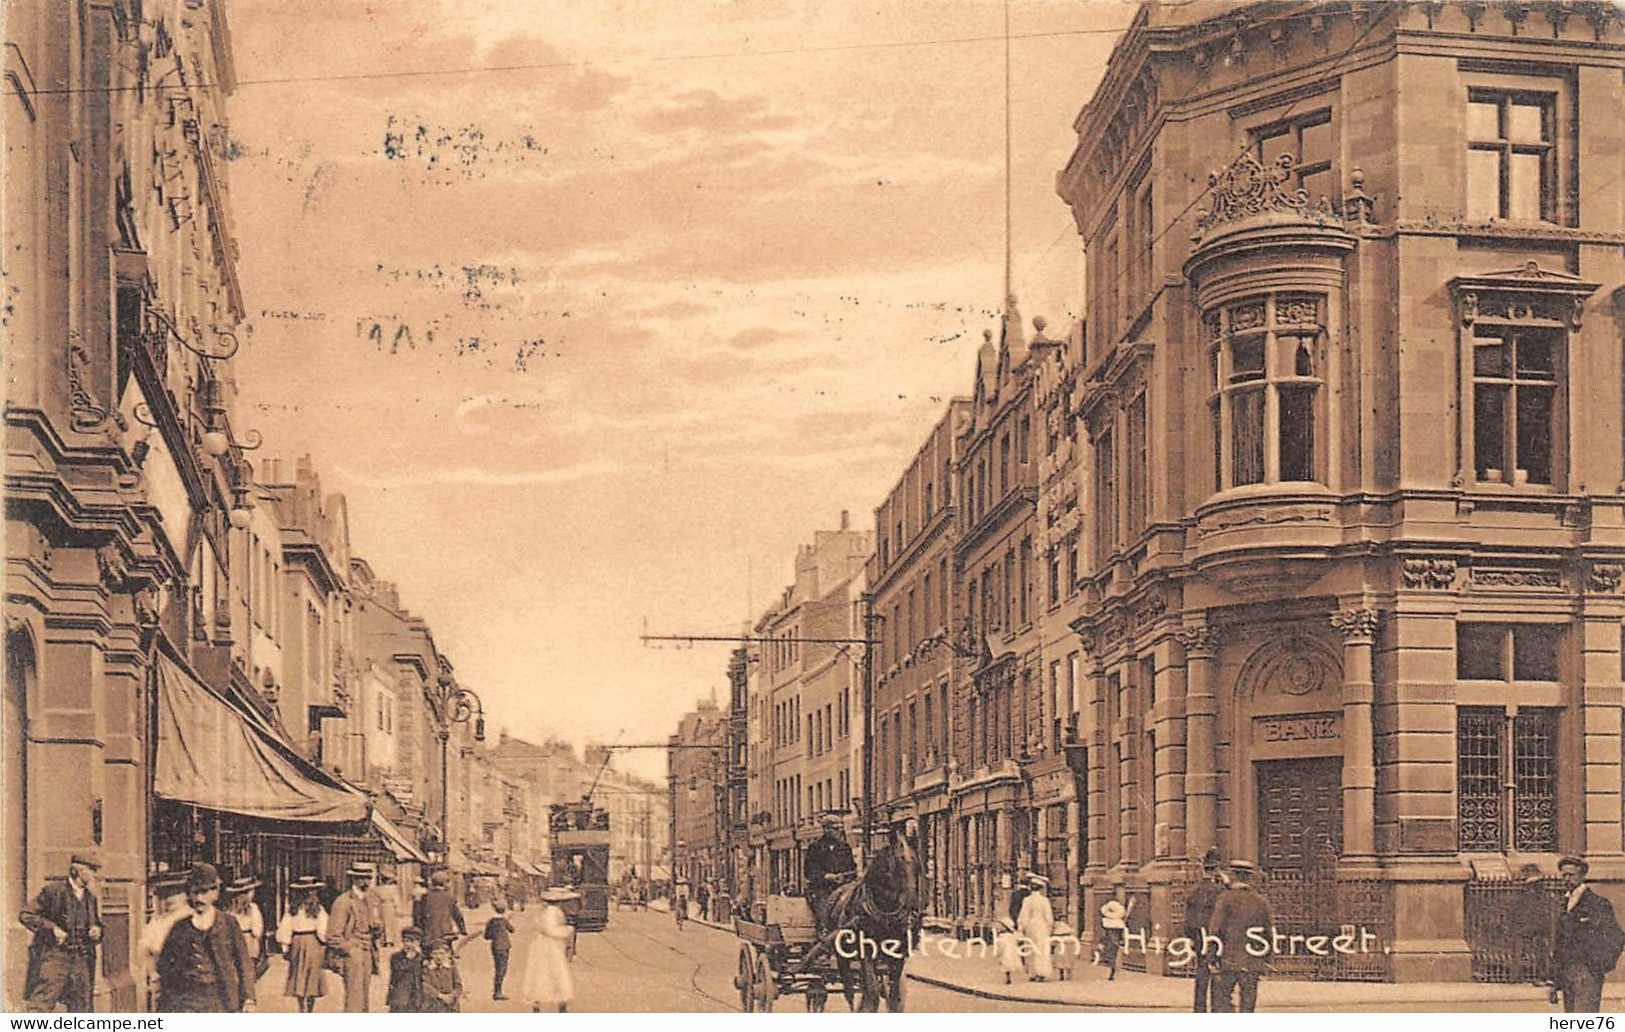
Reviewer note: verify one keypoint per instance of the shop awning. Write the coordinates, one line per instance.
(395, 839)
(461, 861)
(212, 755)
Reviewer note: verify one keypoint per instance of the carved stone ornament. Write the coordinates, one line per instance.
(1429, 574)
(1357, 625)
(1152, 606)
(1113, 631)
(1528, 295)
(145, 604)
(1606, 577)
(1505, 578)
(1247, 189)
(1293, 668)
(110, 565)
(1202, 641)
(1298, 310)
(1268, 517)
(84, 408)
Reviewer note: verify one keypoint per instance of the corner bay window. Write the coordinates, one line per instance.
(1516, 404)
(1264, 357)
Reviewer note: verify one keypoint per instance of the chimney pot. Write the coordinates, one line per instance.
(846, 519)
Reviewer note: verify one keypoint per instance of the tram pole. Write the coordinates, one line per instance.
(869, 621)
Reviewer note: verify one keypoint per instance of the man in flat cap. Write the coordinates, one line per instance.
(826, 860)
(66, 920)
(1199, 920)
(200, 952)
(1588, 942)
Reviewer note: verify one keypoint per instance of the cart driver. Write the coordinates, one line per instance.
(827, 860)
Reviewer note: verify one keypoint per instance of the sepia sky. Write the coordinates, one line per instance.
(597, 327)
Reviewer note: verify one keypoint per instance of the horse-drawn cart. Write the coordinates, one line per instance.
(779, 957)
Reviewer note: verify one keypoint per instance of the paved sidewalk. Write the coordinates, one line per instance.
(980, 975)
(473, 963)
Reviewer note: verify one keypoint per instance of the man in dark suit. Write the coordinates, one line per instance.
(1240, 909)
(1588, 941)
(1199, 924)
(201, 954)
(826, 860)
(66, 920)
(440, 917)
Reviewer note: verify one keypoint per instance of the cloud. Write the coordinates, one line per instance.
(756, 337)
(471, 476)
(713, 113)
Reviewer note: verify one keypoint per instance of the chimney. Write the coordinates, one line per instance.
(846, 519)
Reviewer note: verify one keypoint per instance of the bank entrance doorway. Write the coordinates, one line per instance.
(1300, 836)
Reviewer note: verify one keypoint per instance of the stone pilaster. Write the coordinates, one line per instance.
(1359, 628)
(1201, 761)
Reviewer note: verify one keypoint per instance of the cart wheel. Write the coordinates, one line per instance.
(767, 990)
(744, 979)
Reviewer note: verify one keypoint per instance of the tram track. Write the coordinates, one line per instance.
(693, 978)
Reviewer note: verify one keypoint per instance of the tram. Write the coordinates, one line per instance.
(580, 833)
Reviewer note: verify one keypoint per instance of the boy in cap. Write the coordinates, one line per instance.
(406, 974)
(66, 920)
(442, 985)
(1589, 941)
(499, 932)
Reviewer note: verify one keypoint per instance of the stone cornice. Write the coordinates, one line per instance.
(995, 517)
(942, 522)
(1512, 231)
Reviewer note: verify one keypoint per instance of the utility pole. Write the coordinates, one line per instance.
(869, 622)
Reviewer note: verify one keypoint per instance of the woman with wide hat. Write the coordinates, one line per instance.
(547, 976)
(240, 904)
(302, 934)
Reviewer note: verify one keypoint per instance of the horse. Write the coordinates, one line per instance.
(881, 906)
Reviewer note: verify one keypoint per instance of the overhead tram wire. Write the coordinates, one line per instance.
(1203, 193)
(1376, 15)
(543, 66)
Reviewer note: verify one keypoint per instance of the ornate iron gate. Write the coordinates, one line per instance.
(1509, 927)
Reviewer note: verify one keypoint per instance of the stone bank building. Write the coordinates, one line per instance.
(1352, 459)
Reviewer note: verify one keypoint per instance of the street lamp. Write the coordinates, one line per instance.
(453, 705)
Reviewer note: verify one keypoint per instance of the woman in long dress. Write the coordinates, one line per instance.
(249, 919)
(302, 934)
(1037, 924)
(547, 977)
